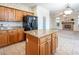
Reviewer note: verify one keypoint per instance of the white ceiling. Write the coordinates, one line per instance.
(54, 6)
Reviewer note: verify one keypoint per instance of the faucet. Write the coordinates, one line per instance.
(1, 25)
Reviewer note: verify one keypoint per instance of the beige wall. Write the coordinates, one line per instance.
(42, 12)
(34, 10)
(52, 21)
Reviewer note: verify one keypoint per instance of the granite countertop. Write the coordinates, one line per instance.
(10, 28)
(41, 33)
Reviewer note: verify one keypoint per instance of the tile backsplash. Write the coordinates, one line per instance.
(11, 24)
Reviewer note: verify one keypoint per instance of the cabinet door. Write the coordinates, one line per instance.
(54, 42)
(2, 13)
(43, 49)
(3, 38)
(12, 35)
(19, 15)
(48, 47)
(31, 45)
(20, 34)
(6, 14)
(11, 13)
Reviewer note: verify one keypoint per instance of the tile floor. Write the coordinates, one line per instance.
(14, 49)
(68, 44)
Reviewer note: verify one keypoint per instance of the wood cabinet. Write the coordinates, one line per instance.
(48, 47)
(15, 35)
(54, 42)
(45, 45)
(2, 13)
(8, 37)
(12, 36)
(27, 13)
(6, 14)
(9, 14)
(39, 46)
(30, 14)
(43, 48)
(20, 34)
(3, 38)
(32, 45)
(19, 15)
(24, 13)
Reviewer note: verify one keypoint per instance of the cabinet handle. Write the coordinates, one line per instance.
(27, 40)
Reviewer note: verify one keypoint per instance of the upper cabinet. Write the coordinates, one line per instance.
(2, 13)
(27, 13)
(24, 13)
(19, 15)
(30, 14)
(11, 14)
(6, 14)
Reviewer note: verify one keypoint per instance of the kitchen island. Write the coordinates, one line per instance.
(41, 42)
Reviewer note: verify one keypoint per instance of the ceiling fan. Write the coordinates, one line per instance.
(66, 11)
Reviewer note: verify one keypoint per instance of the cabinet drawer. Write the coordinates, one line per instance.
(45, 38)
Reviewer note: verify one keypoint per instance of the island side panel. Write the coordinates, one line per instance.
(54, 42)
(32, 45)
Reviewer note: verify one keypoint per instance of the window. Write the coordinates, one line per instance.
(58, 21)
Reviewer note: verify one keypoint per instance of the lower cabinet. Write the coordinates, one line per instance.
(20, 34)
(32, 47)
(48, 47)
(12, 36)
(45, 48)
(3, 38)
(54, 42)
(15, 35)
(8, 37)
(45, 45)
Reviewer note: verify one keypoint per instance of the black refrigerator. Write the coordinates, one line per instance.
(30, 23)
